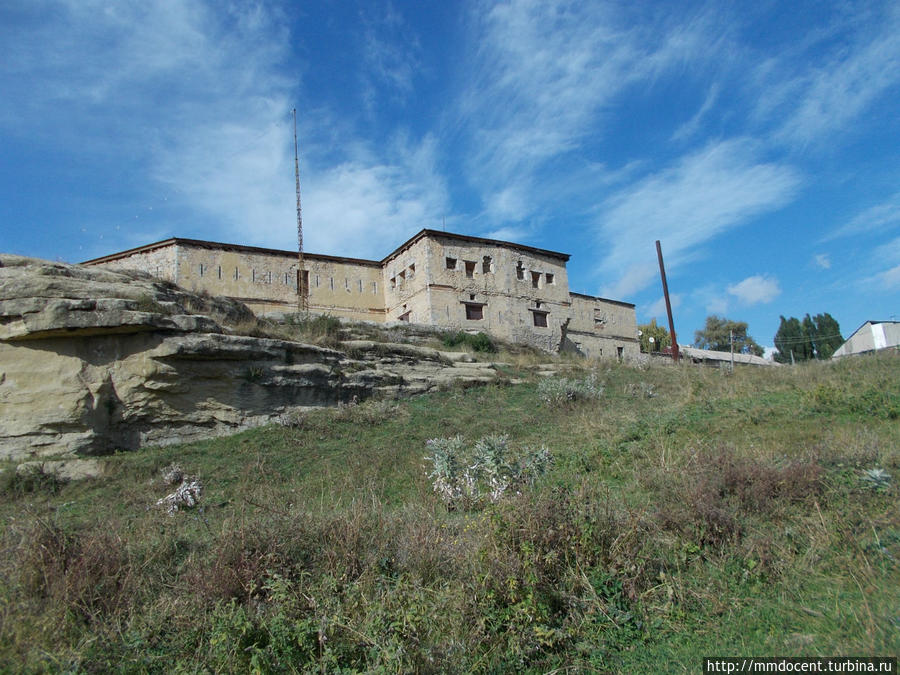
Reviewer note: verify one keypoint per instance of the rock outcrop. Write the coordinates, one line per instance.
(93, 361)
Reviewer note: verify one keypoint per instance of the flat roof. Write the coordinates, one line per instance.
(200, 243)
(318, 256)
(597, 297)
(474, 240)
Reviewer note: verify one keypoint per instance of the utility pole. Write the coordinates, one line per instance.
(662, 273)
(302, 303)
(731, 339)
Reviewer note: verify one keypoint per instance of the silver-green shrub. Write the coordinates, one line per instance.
(560, 390)
(466, 477)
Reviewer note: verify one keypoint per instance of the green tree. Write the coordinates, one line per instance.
(828, 335)
(813, 338)
(661, 337)
(789, 340)
(717, 332)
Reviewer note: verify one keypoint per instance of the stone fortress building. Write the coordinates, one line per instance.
(512, 291)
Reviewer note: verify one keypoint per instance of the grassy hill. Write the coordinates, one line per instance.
(686, 512)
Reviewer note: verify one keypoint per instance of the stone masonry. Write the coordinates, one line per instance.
(515, 292)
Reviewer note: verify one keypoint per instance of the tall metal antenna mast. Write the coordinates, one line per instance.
(301, 285)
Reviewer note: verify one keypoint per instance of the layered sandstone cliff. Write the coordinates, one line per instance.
(93, 361)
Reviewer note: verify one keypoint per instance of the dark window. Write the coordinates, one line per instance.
(620, 352)
(412, 271)
(535, 279)
(470, 268)
(520, 270)
(550, 278)
(540, 319)
(474, 312)
(451, 263)
(486, 265)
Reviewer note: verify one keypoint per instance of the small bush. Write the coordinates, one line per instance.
(29, 480)
(467, 476)
(480, 342)
(560, 390)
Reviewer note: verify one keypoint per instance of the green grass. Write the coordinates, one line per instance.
(687, 513)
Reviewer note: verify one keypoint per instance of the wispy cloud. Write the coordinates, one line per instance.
(822, 260)
(702, 196)
(364, 208)
(693, 125)
(755, 290)
(542, 76)
(877, 218)
(847, 83)
(392, 57)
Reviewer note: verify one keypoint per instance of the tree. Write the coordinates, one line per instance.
(813, 338)
(828, 336)
(716, 335)
(660, 335)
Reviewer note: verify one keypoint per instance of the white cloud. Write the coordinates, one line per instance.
(877, 218)
(847, 83)
(704, 195)
(657, 310)
(692, 126)
(823, 260)
(755, 290)
(542, 77)
(890, 278)
(364, 209)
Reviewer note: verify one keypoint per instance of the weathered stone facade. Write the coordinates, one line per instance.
(516, 292)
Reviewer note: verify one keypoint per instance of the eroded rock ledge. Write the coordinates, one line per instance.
(93, 361)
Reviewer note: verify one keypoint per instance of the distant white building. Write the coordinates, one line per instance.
(872, 336)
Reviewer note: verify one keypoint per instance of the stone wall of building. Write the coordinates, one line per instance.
(601, 328)
(517, 293)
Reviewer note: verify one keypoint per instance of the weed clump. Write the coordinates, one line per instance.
(555, 391)
(466, 477)
(480, 342)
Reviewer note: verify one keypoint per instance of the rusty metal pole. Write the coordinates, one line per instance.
(662, 273)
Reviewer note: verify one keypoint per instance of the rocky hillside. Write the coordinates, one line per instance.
(93, 361)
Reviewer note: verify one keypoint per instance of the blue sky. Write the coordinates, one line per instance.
(759, 141)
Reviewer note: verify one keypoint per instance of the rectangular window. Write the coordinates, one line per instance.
(220, 271)
(470, 269)
(540, 319)
(360, 285)
(474, 312)
(520, 271)
(253, 275)
(620, 352)
(451, 263)
(535, 279)
(268, 277)
(331, 282)
(235, 273)
(201, 269)
(374, 287)
(550, 278)
(317, 281)
(486, 265)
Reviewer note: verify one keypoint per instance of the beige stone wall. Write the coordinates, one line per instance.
(438, 280)
(267, 282)
(159, 262)
(602, 328)
(405, 279)
(474, 275)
